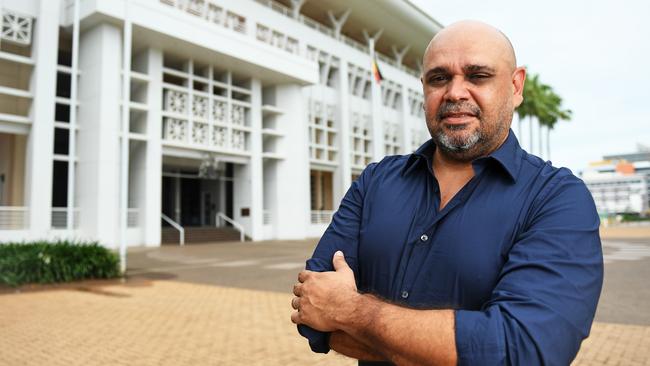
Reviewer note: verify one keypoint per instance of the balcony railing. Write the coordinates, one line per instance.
(132, 217)
(60, 218)
(321, 217)
(14, 218)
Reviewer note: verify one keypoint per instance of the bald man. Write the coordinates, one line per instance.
(469, 251)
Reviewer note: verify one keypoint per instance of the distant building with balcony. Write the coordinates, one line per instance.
(620, 184)
(127, 120)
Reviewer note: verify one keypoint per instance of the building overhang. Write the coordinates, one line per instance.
(402, 22)
(171, 30)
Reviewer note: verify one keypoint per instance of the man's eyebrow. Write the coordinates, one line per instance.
(476, 68)
(437, 70)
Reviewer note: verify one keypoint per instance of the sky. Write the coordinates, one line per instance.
(595, 55)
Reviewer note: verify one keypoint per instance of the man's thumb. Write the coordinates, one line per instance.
(339, 261)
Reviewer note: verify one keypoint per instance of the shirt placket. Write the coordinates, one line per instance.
(420, 246)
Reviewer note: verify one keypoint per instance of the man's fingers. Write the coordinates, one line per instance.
(297, 289)
(303, 275)
(295, 317)
(339, 261)
(295, 303)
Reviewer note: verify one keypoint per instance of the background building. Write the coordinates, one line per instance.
(620, 184)
(122, 117)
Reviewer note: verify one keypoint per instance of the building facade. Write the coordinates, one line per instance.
(620, 184)
(119, 117)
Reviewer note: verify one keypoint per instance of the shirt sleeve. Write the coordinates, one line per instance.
(341, 234)
(545, 299)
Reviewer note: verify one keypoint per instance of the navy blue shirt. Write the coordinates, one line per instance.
(516, 252)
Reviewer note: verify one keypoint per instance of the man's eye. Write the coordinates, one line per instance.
(479, 76)
(437, 79)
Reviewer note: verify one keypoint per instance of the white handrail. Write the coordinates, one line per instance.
(238, 226)
(176, 226)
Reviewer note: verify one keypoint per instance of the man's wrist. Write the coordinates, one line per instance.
(362, 310)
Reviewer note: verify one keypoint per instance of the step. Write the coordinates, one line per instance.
(199, 235)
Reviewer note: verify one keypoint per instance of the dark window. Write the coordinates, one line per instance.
(60, 184)
(63, 81)
(62, 113)
(61, 141)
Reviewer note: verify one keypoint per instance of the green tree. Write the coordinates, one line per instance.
(543, 105)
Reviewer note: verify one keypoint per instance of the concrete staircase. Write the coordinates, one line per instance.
(206, 234)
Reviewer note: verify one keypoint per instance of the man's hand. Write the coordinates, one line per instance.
(323, 297)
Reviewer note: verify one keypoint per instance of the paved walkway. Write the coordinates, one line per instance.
(152, 323)
(228, 304)
(177, 323)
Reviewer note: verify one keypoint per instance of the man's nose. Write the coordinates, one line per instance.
(457, 90)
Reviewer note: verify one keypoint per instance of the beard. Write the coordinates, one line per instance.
(459, 142)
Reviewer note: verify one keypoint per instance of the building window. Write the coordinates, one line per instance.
(392, 137)
(323, 134)
(361, 140)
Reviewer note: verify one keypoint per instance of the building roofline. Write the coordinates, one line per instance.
(419, 10)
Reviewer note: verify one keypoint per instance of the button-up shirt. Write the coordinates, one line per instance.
(516, 252)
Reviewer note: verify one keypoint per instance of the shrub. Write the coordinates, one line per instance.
(50, 262)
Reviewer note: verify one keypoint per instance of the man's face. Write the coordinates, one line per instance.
(469, 87)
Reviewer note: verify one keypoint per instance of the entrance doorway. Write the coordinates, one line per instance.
(193, 201)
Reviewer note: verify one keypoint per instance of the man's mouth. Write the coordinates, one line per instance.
(458, 117)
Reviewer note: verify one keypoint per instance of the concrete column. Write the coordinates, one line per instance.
(100, 86)
(257, 172)
(151, 205)
(406, 125)
(40, 143)
(337, 22)
(344, 118)
(293, 215)
(399, 53)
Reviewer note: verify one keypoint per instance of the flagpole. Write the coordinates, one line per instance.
(377, 122)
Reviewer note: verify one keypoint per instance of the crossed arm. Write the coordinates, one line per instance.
(367, 328)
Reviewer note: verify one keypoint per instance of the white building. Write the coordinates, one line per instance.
(620, 184)
(115, 113)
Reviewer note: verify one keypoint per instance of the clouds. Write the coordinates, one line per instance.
(595, 54)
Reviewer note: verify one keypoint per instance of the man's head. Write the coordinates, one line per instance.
(471, 87)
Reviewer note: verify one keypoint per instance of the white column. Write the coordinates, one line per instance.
(124, 141)
(345, 148)
(74, 83)
(40, 143)
(152, 206)
(337, 22)
(293, 218)
(99, 134)
(257, 173)
(406, 124)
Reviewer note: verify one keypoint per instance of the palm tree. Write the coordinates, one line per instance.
(529, 108)
(541, 103)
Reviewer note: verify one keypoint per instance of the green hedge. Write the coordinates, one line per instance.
(49, 262)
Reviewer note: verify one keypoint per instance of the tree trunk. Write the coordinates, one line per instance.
(530, 136)
(539, 140)
(548, 143)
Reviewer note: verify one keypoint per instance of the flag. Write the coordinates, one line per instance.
(375, 71)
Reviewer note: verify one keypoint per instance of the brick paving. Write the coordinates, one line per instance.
(152, 323)
(177, 323)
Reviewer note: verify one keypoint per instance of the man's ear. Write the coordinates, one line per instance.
(518, 80)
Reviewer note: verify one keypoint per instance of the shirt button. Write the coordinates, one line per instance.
(405, 294)
(424, 237)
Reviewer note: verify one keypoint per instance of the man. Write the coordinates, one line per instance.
(469, 251)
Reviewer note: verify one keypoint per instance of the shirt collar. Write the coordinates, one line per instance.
(508, 156)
